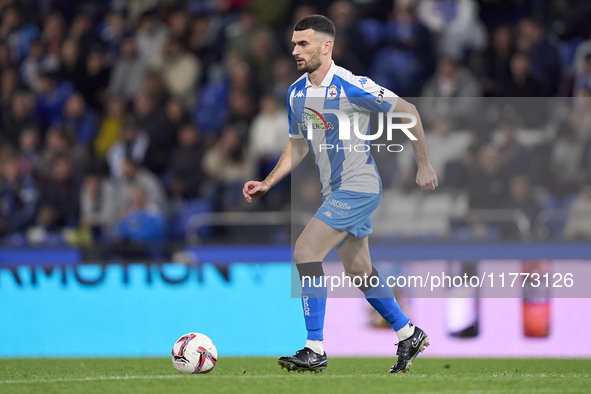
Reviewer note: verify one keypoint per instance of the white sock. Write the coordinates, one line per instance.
(316, 346)
(406, 331)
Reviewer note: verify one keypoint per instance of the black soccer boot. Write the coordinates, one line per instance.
(304, 360)
(409, 349)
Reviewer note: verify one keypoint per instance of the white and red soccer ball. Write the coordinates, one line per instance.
(194, 353)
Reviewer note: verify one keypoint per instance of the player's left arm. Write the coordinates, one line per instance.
(426, 176)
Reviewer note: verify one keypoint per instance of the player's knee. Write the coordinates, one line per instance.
(299, 254)
(358, 268)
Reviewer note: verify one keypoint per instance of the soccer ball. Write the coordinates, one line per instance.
(194, 353)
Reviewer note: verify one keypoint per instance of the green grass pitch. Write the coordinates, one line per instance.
(263, 375)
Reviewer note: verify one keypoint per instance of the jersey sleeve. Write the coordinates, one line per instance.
(294, 130)
(365, 94)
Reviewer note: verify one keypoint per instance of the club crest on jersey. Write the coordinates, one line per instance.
(332, 92)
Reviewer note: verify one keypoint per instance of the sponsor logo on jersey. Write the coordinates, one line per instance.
(340, 204)
(380, 97)
(327, 214)
(319, 123)
(363, 81)
(300, 94)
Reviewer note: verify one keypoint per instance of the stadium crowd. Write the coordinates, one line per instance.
(121, 118)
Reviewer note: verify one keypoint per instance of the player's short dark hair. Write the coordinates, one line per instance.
(318, 23)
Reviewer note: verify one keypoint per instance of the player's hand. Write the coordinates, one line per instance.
(427, 178)
(254, 189)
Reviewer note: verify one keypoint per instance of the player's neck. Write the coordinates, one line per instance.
(317, 76)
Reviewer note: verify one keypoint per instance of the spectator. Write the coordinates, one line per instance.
(496, 61)
(96, 78)
(186, 167)
(270, 14)
(97, 204)
(36, 62)
(62, 194)
(71, 64)
(456, 24)
(135, 9)
(520, 198)
(583, 50)
(133, 144)
(583, 78)
(346, 58)
(343, 14)
(5, 57)
(46, 221)
(179, 69)
(59, 144)
(152, 120)
(151, 36)
(447, 91)
(110, 130)
(227, 164)
(512, 155)
(521, 82)
(135, 175)
(128, 73)
(176, 117)
(488, 187)
(216, 63)
(83, 33)
(79, 119)
(142, 222)
(567, 153)
(29, 160)
(206, 41)
(268, 134)
(21, 116)
(178, 23)
(111, 33)
(54, 31)
(240, 35)
(18, 198)
(19, 35)
(155, 88)
(51, 96)
(263, 56)
(282, 78)
(578, 222)
(241, 108)
(449, 147)
(8, 90)
(580, 115)
(543, 53)
(139, 228)
(408, 49)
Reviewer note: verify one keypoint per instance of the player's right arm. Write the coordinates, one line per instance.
(294, 152)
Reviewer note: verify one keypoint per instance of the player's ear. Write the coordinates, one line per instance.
(328, 44)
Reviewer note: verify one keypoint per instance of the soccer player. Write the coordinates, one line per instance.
(349, 179)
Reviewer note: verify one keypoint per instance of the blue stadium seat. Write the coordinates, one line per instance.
(567, 50)
(462, 234)
(180, 219)
(212, 107)
(427, 236)
(372, 32)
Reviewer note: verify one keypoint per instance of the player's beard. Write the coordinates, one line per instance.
(311, 65)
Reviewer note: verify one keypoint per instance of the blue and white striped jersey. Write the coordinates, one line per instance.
(340, 167)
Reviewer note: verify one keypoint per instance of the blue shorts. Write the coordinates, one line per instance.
(349, 211)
